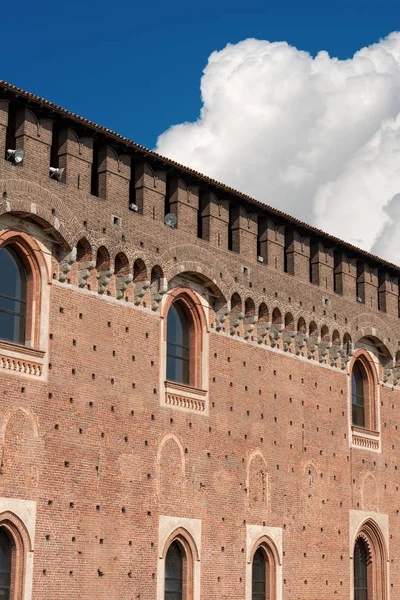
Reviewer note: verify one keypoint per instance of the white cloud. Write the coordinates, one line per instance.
(316, 137)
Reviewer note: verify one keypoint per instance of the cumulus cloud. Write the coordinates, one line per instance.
(316, 137)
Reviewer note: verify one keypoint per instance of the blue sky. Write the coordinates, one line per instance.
(135, 67)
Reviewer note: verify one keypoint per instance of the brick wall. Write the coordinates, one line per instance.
(92, 441)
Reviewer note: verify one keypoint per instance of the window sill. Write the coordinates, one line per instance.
(185, 397)
(365, 438)
(21, 360)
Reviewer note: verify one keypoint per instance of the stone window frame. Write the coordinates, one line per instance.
(368, 437)
(187, 533)
(27, 360)
(192, 397)
(373, 529)
(269, 539)
(18, 519)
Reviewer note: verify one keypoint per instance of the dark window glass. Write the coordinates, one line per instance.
(259, 576)
(360, 571)
(178, 349)
(173, 573)
(5, 565)
(12, 297)
(358, 382)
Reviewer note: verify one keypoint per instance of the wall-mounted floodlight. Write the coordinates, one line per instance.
(134, 207)
(170, 220)
(17, 156)
(56, 173)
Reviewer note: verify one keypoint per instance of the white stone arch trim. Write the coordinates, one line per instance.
(359, 438)
(191, 530)
(258, 535)
(363, 522)
(25, 513)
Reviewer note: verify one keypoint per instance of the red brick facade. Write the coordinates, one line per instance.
(104, 463)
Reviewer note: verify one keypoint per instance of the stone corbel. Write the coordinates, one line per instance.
(66, 264)
(299, 342)
(288, 337)
(221, 316)
(335, 352)
(312, 346)
(388, 371)
(140, 289)
(84, 271)
(323, 348)
(275, 334)
(262, 330)
(346, 355)
(235, 319)
(160, 290)
(121, 284)
(396, 375)
(103, 279)
(249, 323)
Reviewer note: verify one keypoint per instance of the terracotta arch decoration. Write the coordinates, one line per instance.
(21, 544)
(190, 555)
(29, 253)
(270, 554)
(370, 535)
(193, 312)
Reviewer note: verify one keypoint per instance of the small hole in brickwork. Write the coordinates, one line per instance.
(90, 403)
(49, 502)
(56, 426)
(66, 463)
(97, 506)
(51, 336)
(80, 315)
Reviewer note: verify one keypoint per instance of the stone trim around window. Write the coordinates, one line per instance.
(188, 532)
(271, 537)
(195, 397)
(29, 360)
(19, 518)
(366, 438)
(373, 528)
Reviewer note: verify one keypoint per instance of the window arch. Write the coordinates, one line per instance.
(361, 560)
(6, 552)
(364, 384)
(263, 562)
(259, 576)
(370, 563)
(174, 572)
(13, 297)
(178, 345)
(180, 567)
(359, 391)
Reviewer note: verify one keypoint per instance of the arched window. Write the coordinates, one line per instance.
(5, 565)
(174, 573)
(359, 382)
(360, 571)
(259, 576)
(13, 295)
(178, 345)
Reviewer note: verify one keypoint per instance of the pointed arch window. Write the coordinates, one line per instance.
(359, 389)
(361, 571)
(178, 345)
(13, 297)
(174, 573)
(5, 565)
(259, 576)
